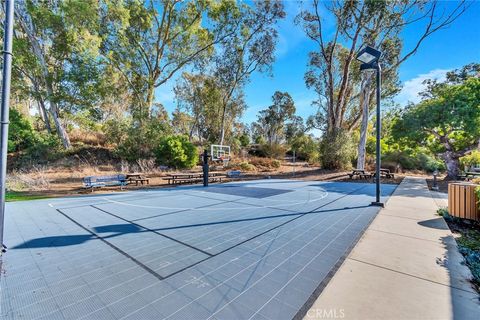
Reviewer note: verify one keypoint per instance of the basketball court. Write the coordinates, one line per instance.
(258, 249)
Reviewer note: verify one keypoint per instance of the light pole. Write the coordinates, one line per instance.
(370, 58)
(7, 66)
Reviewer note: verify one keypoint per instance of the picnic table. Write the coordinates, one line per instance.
(386, 173)
(471, 174)
(360, 173)
(136, 177)
(194, 177)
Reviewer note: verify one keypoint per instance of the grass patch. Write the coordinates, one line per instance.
(22, 196)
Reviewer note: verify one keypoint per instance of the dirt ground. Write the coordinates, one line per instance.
(442, 183)
(68, 181)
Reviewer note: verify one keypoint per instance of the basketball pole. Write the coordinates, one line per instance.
(4, 120)
(294, 163)
(205, 167)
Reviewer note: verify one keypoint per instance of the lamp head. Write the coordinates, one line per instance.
(368, 55)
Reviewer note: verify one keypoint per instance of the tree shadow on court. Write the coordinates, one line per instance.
(55, 241)
(105, 232)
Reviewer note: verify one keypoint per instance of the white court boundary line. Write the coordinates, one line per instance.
(323, 195)
(59, 201)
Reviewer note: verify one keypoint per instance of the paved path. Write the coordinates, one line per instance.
(406, 266)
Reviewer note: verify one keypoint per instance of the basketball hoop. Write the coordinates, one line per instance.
(224, 160)
(220, 153)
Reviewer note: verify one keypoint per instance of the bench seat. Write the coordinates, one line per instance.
(92, 182)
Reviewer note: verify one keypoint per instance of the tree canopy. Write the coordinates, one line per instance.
(447, 121)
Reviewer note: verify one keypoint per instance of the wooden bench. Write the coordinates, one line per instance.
(92, 182)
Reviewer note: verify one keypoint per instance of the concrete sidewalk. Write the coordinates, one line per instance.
(406, 266)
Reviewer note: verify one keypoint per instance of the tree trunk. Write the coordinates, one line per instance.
(364, 105)
(222, 128)
(44, 114)
(62, 133)
(452, 163)
(149, 102)
(192, 129)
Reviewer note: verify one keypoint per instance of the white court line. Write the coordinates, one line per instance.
(323, 195)
(180, 190)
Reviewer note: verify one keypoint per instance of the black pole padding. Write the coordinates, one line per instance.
(205, 168)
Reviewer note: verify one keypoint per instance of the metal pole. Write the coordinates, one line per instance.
(7, 66)
(435, 185)
(205, 168)
(294, 164)
(379, 129)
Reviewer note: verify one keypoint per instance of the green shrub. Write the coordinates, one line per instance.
(400, 158)
(337, 150)
(265, 163)
(235, 146)
(244, 140)
(46, 147)
(306, 148)
(272, 151)
(443, 212)
(245, 166)
(21, 134)
(428, 163)
(32, 145)
(134, 141)
(176, 152)
(413, 160)
(471, 159)
(469, 247)
(260, 140)
(276, 163)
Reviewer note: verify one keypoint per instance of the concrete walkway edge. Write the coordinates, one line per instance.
(406, 266)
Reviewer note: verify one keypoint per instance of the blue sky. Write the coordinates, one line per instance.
(445, 50)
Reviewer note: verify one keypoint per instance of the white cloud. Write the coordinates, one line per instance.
(412, 88)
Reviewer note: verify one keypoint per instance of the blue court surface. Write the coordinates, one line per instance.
(260, 249)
